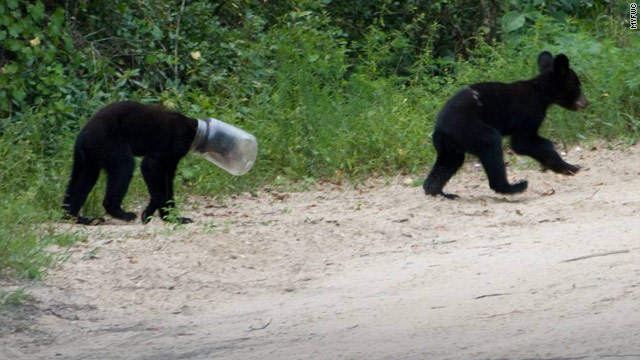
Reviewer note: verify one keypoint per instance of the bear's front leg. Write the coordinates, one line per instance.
(542, 150)
(159, 173)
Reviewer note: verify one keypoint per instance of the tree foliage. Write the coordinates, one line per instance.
(64, 52)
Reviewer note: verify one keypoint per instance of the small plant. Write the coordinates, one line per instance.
(13, 299)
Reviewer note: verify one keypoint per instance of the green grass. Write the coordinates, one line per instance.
(14, 315)
(9, 300)
(30, 184)
(317, 116)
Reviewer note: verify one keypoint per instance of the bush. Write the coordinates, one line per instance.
(332, 89)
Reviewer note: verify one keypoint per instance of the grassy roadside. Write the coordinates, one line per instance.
(317, 117)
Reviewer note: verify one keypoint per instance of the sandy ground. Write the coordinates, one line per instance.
(367, 271)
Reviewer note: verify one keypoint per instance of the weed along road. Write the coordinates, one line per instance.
(375, 270)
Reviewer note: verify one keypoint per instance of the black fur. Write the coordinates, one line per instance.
(111, 139)
(475, 119)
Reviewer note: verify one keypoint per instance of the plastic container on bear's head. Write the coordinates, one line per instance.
(225, 145)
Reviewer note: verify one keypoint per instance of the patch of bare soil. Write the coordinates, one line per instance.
(373, 271)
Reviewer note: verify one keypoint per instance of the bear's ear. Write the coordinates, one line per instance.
(561, 64)
(545, 62)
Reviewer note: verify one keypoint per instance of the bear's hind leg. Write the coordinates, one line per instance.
(448, 161)
(83, 177)
(493, 163)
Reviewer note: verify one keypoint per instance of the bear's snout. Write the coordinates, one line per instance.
(582, 102)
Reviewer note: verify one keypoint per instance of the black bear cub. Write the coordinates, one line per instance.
(475, 119)
(111, 139)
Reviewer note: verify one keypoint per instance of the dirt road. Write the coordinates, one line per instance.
(368, 271)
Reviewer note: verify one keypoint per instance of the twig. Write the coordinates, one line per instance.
(501, 314)
(184, 273)
(489, 295)
(175, 44)
(561, 358)
(433, 242)
(383, 252)
(251, 328)
(597, 255)
(92, 33)
(61, 316)
(620, 355)
(490, 246)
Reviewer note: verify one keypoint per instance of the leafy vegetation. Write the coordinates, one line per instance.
(332, 89)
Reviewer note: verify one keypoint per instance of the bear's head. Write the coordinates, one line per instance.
(564, 81)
